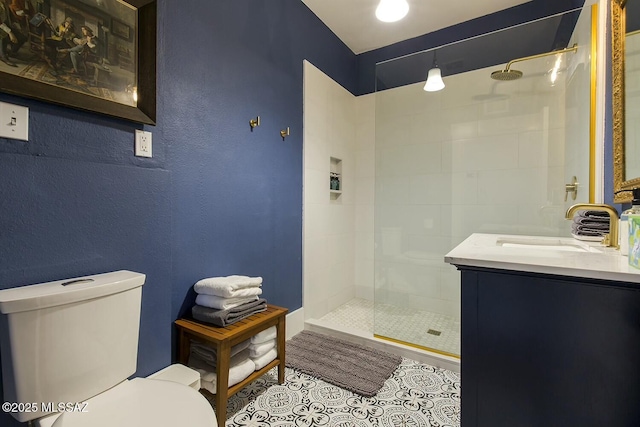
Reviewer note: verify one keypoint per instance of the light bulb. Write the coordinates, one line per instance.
(434, 80)
(392, 10)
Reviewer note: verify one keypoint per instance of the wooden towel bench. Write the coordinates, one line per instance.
(222, 339)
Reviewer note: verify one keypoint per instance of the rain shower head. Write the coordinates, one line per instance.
(507, 74)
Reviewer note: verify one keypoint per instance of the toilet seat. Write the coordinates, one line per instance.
(143, 402)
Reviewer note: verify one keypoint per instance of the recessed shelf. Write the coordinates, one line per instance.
(335, 177)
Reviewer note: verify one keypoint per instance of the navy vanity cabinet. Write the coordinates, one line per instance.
(542, 350)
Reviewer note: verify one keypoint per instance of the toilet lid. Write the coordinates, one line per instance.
(143, 402)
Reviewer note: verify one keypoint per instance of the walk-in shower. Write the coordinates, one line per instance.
(427, 169)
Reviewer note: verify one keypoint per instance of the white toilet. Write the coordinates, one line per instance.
(76, 341)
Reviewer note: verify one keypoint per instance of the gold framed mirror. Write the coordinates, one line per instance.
(625, 175)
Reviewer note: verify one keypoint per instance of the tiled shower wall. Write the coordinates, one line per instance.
(328, 222)
(365, 189)
(479, 156)
(338, 231)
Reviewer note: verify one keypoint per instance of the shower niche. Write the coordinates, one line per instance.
(335, 178)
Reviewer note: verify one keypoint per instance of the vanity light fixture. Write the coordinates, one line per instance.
(392, 10)
(434, 78)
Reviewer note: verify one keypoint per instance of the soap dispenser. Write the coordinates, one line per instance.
(624, 222)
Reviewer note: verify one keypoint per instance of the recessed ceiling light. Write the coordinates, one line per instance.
(392, 10)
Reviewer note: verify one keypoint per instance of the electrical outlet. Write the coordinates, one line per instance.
(14, 121)
(144, 147)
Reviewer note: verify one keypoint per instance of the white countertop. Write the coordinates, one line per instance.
(548, 255)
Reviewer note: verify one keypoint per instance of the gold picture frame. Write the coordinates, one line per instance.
(622, 184)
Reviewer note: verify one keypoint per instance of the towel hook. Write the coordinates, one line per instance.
(285, 133)
(254, 122)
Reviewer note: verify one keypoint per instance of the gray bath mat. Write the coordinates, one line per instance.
(353, 367)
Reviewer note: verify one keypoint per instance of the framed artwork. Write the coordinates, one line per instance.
(93, 55)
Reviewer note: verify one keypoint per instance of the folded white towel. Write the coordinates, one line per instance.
(225, 286)
(209, 380)
(257, 350)
(207, 385)
(205, 376)
(266, 335)
(265, 359)
(238, 293)
(220, 303)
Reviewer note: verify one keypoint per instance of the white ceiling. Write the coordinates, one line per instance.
(355, 23)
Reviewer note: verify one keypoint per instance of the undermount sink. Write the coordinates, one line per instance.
(547, 244)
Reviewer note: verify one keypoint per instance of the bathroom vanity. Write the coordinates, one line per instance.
(550, 333)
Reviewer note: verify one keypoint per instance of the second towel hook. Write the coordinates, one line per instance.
(254, 122)
(285, 133)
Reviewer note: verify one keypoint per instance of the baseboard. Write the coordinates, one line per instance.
(295, 322)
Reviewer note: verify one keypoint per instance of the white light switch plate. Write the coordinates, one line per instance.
(144, 147)
(14, 121)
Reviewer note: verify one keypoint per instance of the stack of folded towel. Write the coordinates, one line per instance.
(226, 300)
(590, 225)
(262, 349)
(203, 359)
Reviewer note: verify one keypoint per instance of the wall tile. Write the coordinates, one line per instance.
(486, 153)
(464, 188)
(365, 108)
(365, 163)
(459, 123)
(432, 189)
(316, 186)
(315, 219)
(394, 131)
(316, 253)
(365, 190)
(392, 190)
(364, 246)
(541, 148)
(366, 135)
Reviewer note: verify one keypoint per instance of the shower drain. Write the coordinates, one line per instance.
(434, 332)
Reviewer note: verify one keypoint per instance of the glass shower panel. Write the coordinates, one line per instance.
(480, 156)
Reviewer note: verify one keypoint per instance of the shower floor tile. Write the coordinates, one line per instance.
(400, 323)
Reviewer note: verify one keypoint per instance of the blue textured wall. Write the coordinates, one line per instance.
(237, 194)
(216, 198)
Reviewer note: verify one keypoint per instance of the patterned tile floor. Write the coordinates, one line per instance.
(416, 395)
(399, 323)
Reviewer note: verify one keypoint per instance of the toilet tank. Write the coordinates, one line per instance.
(68, 340)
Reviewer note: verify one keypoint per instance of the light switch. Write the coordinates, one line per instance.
(14, 121)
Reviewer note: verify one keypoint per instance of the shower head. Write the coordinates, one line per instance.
(507, 74)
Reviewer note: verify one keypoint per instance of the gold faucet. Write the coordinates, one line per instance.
(611, 239)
